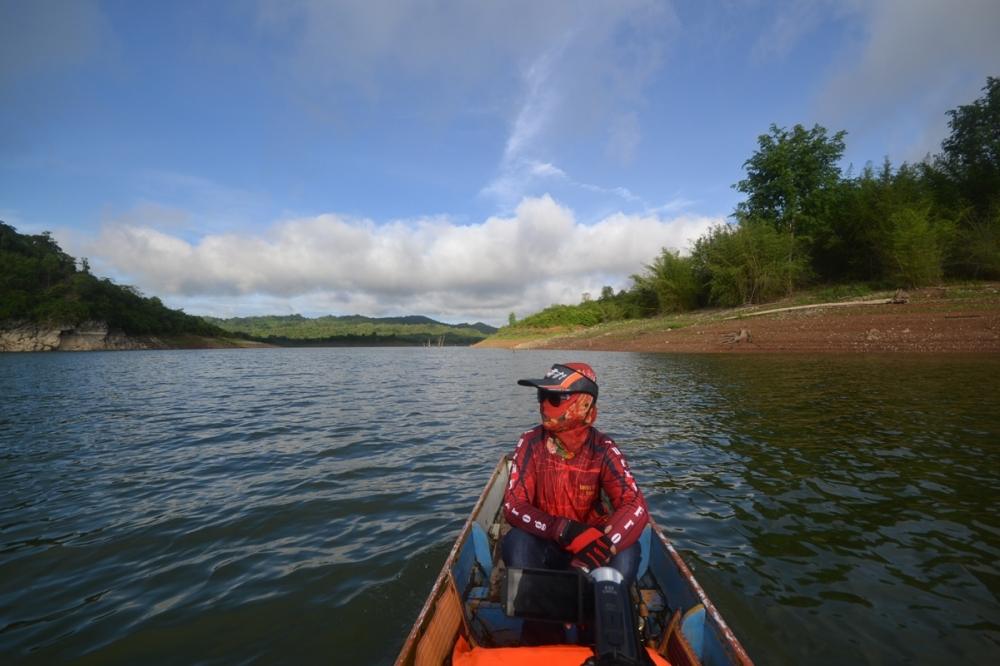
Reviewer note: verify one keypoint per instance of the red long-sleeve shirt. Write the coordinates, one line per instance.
(545, 487)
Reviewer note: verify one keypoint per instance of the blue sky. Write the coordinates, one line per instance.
(461, 160)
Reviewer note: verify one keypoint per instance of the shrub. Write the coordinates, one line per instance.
(914, 253)
(671, 279)
(584, 314)
(977, 247)
(749, 263)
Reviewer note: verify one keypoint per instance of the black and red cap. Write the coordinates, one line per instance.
(568, 378)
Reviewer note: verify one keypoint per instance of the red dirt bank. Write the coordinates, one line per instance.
(932, 321)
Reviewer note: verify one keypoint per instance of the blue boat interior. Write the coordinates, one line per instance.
(663, 589)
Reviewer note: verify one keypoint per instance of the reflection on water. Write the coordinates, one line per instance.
(845, 505)
(295, 505)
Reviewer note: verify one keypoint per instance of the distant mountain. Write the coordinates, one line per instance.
(417, 320)
(414, 320)
(355, 330)
(484, 328)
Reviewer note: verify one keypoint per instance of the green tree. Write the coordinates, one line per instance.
(511, 319)
(864, 222)
(971, 153)
(790, 176)
(966, 181)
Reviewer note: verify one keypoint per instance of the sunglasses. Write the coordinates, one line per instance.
(554, 399)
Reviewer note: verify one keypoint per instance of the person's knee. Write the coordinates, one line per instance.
(627, 562)
(521, 550)
(508, 548)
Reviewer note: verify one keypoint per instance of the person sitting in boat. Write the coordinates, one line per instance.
(553, 499)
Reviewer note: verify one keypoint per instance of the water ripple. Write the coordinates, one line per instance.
(295, 505)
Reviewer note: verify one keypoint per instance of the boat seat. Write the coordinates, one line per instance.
(481, 546)
(693, 627)
(474, 566)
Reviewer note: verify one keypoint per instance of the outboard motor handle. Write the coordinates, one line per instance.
(616, 640)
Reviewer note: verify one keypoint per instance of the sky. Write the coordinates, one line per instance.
(459, 160)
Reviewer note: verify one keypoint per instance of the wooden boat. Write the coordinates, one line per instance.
(463, 619)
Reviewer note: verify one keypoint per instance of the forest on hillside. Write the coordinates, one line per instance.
(295, 330)
(42, 284)
(805, 222)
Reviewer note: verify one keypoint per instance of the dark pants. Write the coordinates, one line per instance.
(522, 550)
(527, 551)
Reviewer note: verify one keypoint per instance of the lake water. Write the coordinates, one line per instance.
(295, 505)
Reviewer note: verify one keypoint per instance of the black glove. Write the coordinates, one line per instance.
(569, 530)
(595, 554)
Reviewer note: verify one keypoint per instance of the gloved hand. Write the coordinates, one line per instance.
(591, 548)
(570, 531)
(596, 553)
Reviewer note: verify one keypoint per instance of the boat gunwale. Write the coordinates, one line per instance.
(740, 652)
(420, 624)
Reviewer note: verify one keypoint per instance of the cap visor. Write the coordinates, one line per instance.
(544, 384)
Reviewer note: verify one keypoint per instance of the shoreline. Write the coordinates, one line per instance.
(945, 319)
(26, 337)
(933, 320)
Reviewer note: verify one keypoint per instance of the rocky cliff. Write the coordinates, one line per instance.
(86, 336)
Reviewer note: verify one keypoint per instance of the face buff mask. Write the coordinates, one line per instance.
(568, 423)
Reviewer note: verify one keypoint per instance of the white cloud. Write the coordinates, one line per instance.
(539, 104)
(516, 177)
(456, 49)
(588, 79)
(331, 263)
(673, 206)
(547, 169)
(912, 63)
(900, 65)
(621, 192)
